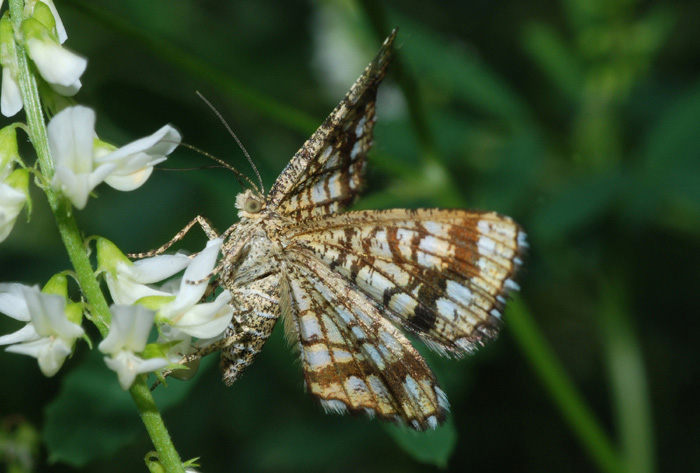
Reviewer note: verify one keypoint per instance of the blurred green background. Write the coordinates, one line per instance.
(579, 118)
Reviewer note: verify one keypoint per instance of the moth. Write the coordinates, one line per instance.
(345, 283)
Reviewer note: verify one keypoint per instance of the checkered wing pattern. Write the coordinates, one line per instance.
(345, 283)
(326, 174)
(442, 274)
(354, 359)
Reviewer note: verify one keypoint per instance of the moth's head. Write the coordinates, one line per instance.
(249, 203)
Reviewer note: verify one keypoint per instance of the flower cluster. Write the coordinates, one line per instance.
(178, 310)
(53, 321)
(52, 325)
(43, 34)
(80, 162)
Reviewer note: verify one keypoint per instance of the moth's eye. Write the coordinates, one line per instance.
(252, 206)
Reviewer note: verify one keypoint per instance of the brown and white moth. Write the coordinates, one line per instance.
(345, 282)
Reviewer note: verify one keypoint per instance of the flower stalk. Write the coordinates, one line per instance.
(71, 237)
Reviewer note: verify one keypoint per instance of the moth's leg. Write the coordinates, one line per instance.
(213, 273)
(196, 355)
(203, 222)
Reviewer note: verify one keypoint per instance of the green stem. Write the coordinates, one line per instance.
(563, 392)
(65, 220)
(628, 379)
(72, 239)
(167, 454)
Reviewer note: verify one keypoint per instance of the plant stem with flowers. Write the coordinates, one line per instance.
(71, 162)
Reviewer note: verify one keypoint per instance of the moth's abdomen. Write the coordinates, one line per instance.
(256, 310)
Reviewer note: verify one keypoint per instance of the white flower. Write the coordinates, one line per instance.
(71, 133)
(135, 161)
(49, 336)
(205, 320)
(58, 66)
(11, 98)
(129, 282)
(13, 303)
(127, 336)
(80, 167)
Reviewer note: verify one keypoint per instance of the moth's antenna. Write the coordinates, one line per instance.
(239, 175)
(240, 145)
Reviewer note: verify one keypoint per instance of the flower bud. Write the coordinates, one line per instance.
(8, 151)
(14, 193)
(59, 67)
(11, 98)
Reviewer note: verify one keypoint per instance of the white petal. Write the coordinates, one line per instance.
(53, 355)
(158, 145)
(171, 334)
(25, 334)
(190, 294)
(132, 181)
(12, 302)
(121, 364)
(60, 29)
(71, 134)
(135, 160)
(11, 204)
(130, 328)
(11, 99)
(50, 352)
(157, 268)
(47, 312)
(56, 64)
(126, 291)
(128, 365)
(77, 186)
(207, 320)
(67, 90)
(129, 284)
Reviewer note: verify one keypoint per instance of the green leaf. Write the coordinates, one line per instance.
(433, 447)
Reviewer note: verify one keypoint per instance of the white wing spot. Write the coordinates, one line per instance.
(334, 406)
(447, 308)
(317, 356)
(460, 293)
(356, 149)
(342, 356)
(360, 129)
(510, 284)
(374, 355)
(309, 327)
(486, 246)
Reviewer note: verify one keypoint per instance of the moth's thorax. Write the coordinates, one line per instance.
(249, 254)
